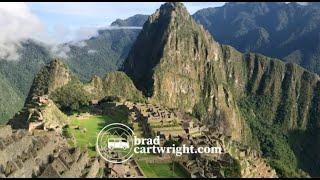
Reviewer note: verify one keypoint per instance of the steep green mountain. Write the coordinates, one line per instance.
(136, 20)
(102, 53)
(286, 31)
(39, 110)
(50, 77)
(16, 77)
(257, 100)
(179, 67)
(10, 100)
(20, 73)
(56, 81)
(280, 105)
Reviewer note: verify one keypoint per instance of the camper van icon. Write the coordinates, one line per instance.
(118, 143)
(115, 143)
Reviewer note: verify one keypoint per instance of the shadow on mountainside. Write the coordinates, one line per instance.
(306, 146)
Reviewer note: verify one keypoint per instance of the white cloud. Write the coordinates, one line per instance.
(17, 23)
(83, 33)
(91, 51)
(60, 51)
(79, 43)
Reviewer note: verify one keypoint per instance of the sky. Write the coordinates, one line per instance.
(63, 17)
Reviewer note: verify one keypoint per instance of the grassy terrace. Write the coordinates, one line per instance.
(92, 124)
(89, 127)
(162, 170)
(159, 169)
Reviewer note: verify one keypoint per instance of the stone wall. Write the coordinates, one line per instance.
(43, 154)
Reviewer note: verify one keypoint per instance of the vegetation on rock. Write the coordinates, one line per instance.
(71, 97)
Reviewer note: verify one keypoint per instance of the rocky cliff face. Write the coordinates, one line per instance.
(292, 89)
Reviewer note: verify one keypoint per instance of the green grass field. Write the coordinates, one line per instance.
(92, 124)
(162, 170)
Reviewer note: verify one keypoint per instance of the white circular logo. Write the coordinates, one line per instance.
(115, 143)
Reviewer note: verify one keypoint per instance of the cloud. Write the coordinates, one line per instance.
(79, 44)
(60, 51)
(17, 23)
(91, 51)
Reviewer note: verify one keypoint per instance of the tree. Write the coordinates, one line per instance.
(71, 97)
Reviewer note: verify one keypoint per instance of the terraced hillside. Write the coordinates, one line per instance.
(43, 154)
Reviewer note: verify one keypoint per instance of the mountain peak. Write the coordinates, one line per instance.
(170, 10)
(175, 62)
(52, 76)
(170, 40)
(172, 6)
(162, 29)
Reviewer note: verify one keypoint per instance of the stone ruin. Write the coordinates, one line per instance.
(43, 154)
(152, 112)
(209, 165)
(33, 116)
(155, 119)
(128, 169)
(203, 165)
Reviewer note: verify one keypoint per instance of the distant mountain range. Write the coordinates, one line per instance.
(290, 32)
(136, 20)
